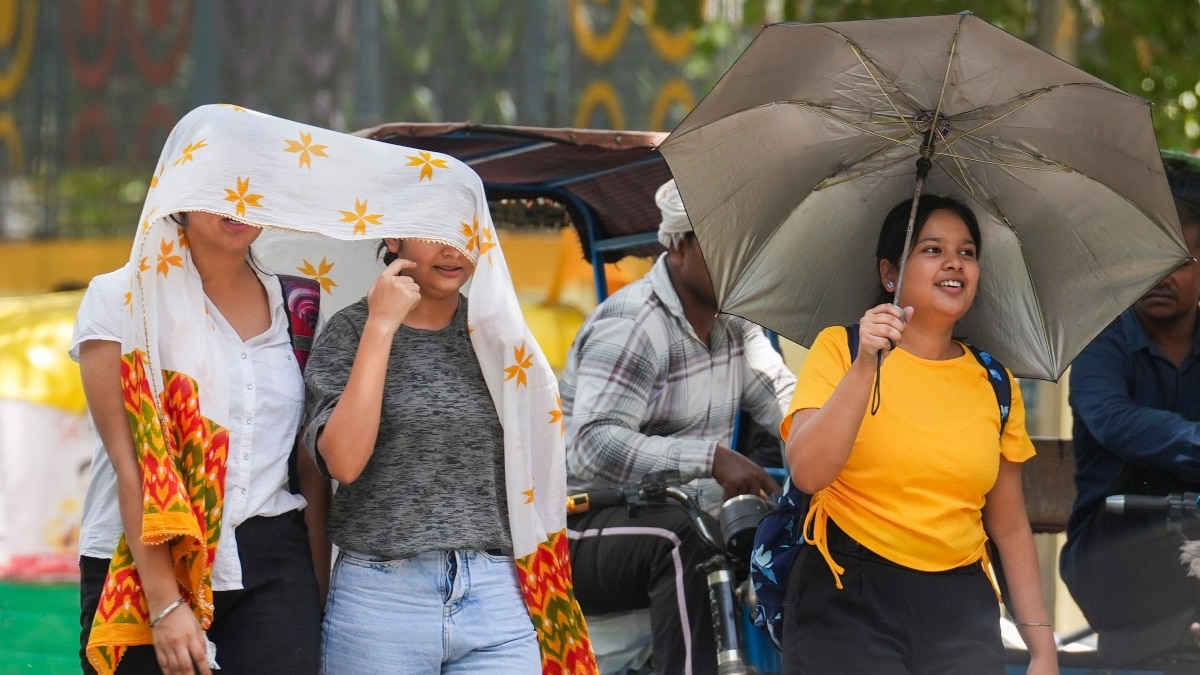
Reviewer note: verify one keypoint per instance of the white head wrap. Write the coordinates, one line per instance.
(325, 200)
(675, 223)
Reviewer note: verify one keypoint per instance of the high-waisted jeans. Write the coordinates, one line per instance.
(437, 612)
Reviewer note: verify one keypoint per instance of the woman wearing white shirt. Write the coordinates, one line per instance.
(267, 601)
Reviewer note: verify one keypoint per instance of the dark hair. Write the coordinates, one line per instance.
(1183, 175)
(386, 254)
(895, 227)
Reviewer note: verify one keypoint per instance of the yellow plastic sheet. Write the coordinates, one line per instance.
(35, 333)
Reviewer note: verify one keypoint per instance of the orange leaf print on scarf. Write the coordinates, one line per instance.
(243, 197)
(306, 148)
(360, 217)
(167, 258)
(319, 273)
(427, 163)
(186, 155)
(517, 370)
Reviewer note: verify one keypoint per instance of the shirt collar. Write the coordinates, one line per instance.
(660, 281)
(1138, 338)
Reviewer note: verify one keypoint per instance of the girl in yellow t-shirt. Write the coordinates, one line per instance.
(896, 580)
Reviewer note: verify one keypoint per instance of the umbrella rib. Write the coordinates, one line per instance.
(823, 111)
(827, 183)
(1046, 163)
(868, 65)
(1032, 98)
(933, 121)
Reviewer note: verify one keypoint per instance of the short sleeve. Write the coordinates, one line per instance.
(823, 369)
(326, 376)
(99, 316)
(1015, 444)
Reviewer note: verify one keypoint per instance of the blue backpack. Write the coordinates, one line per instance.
(780, 534)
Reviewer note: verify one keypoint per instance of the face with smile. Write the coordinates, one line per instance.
(441, 269)
(941, 276)
(209, 231)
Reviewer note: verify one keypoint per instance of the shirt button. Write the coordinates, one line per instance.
(243, 355)
(242, 490)
(246, 456)
(249, 420)
(250, 386)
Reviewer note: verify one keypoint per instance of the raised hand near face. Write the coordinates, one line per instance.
(393, 295)
(881, 329)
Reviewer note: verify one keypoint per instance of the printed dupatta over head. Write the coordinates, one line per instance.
(324, 200)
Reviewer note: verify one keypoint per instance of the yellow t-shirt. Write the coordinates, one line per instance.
(918, 475)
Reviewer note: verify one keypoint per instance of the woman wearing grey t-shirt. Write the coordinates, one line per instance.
(399, 413)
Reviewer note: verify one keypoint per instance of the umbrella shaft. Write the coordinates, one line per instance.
(912, 219)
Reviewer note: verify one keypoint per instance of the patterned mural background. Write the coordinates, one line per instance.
(89, 89)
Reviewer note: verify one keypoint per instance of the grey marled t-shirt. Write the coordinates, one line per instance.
(436, 478)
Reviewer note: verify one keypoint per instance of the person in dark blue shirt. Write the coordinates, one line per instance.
(1135, 398)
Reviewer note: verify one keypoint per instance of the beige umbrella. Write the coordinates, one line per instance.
(789, 165)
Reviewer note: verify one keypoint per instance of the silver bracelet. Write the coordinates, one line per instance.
(1032, 623)
(169, 608)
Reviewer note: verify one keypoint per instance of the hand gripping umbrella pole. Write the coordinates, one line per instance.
(924, 164)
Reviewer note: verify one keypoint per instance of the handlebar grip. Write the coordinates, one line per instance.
(596, 499)
(1133, 504)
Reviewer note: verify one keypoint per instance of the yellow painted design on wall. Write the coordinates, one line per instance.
(10, 136)
(600, 94)
(599, 47)
(675, 92)
(672, 47)
(18, 43)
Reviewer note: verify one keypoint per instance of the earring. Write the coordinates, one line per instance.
(890, 285)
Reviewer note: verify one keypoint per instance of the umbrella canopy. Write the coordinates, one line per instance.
(788, 167)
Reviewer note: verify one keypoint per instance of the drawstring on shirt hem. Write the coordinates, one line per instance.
(816, 521)
(816, 532)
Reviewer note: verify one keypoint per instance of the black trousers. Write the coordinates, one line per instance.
(622, 562)
(271, 625)
(888, 619)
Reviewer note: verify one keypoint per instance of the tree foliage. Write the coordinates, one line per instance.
(1151, 49)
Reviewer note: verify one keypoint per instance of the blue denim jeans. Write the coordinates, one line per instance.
(437, 612)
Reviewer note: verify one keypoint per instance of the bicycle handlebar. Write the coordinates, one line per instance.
(656, 487)
(596, 499)
(1175, 505)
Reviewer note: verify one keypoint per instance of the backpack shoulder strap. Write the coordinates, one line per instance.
(997, 376)
(996, 373)
(302, 302)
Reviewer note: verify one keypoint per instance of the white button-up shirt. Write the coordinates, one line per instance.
(266, 401)
(265, 406)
